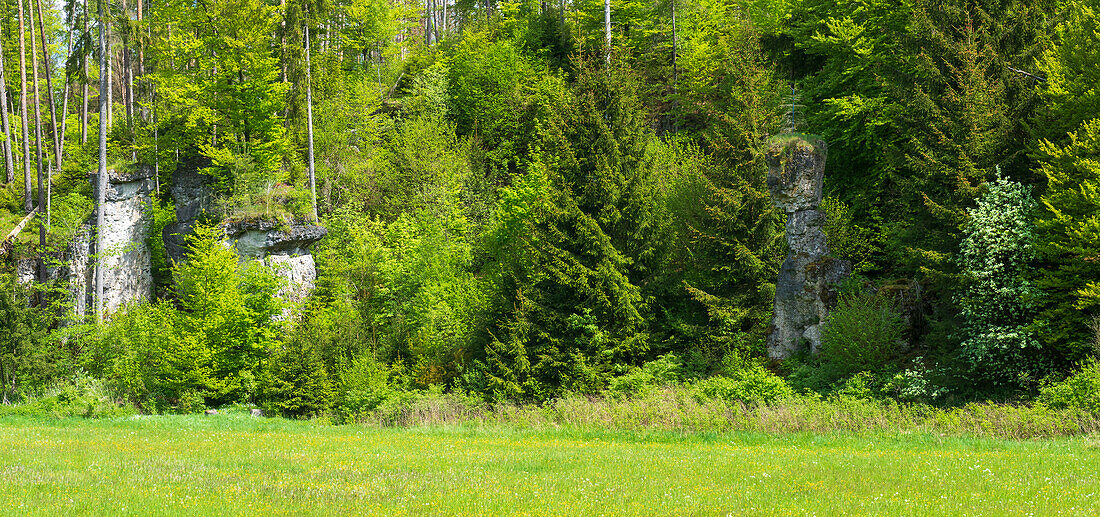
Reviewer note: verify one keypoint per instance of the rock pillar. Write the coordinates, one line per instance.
(806, 288)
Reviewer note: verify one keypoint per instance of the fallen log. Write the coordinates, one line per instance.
(7, 244)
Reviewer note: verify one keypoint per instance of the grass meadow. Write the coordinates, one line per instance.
(234, 464)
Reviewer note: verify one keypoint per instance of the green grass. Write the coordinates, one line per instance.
(233, 464)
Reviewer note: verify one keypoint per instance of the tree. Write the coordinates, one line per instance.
(309, 119)
(229, 314)
(101, 178)
(997, 299)
(1070, 274)
(572, 236)
(1068, 225)
(9, 164)
(28, 202)
(46, 61)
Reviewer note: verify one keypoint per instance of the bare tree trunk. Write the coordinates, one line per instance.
(65, 98)
(282, 41)
(84, 109)
(110, 78)
(675, 70)
(428, 22)
(9, 160)
(101, 179)
(127, 68)
(607, 28)
(38, 145)
(28, 192)
(309, 125)
(49, 89)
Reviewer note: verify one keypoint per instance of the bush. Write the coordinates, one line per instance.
(755, 385)
(363, 387)
(861, 334)
(663, 371)
(296, 384)
(79, 395)
(1079, 391)
(996, 301)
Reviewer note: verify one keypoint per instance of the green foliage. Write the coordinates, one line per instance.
(752, 385)
(76, 396)
(1080, 391)
(996, 300)
(850, 241)
(639, 381)
(230, 312)
(296, 383)
(159, 216)
(1069, 67)
(30, 357)
(1067, 244)
(863, 333)
(210, 351)
(571, 239)
(364, 386)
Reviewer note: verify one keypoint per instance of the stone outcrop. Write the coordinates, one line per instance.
(127, 259)
(808, 278)
(192, 194)
(282, 246)
(285, 249)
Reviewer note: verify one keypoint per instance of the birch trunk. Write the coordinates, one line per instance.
(309, 126)
(607, 28)
(9, 163)
(28, 184)
(101, 179)
(84, 109)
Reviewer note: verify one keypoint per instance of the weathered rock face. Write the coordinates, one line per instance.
(191, 192)
(126, 259)
(284, 249)
(806, 288)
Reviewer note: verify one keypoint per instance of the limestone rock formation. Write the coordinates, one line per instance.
(283, 246)
(806, 288)
(284, 250)
(127, 260)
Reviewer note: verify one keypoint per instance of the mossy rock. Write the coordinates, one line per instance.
(781, 144)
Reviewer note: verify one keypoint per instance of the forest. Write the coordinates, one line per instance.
(529, 200)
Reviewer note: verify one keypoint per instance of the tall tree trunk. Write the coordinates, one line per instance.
(101, 179)
(282, 42)
(675, 71)
(428, 22)
(309, 125)
(9, 160)
(110, 79)
(127, 68)
(607, 28)
(38, 147)
(28, 182)
(84, 109)
(65, 98)
(49, 90)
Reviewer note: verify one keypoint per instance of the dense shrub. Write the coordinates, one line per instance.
(754, 385)
(862, 333)
(664, 371)
(996, 300)
(1079, 391)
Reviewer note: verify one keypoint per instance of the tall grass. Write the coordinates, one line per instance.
(681, 410)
